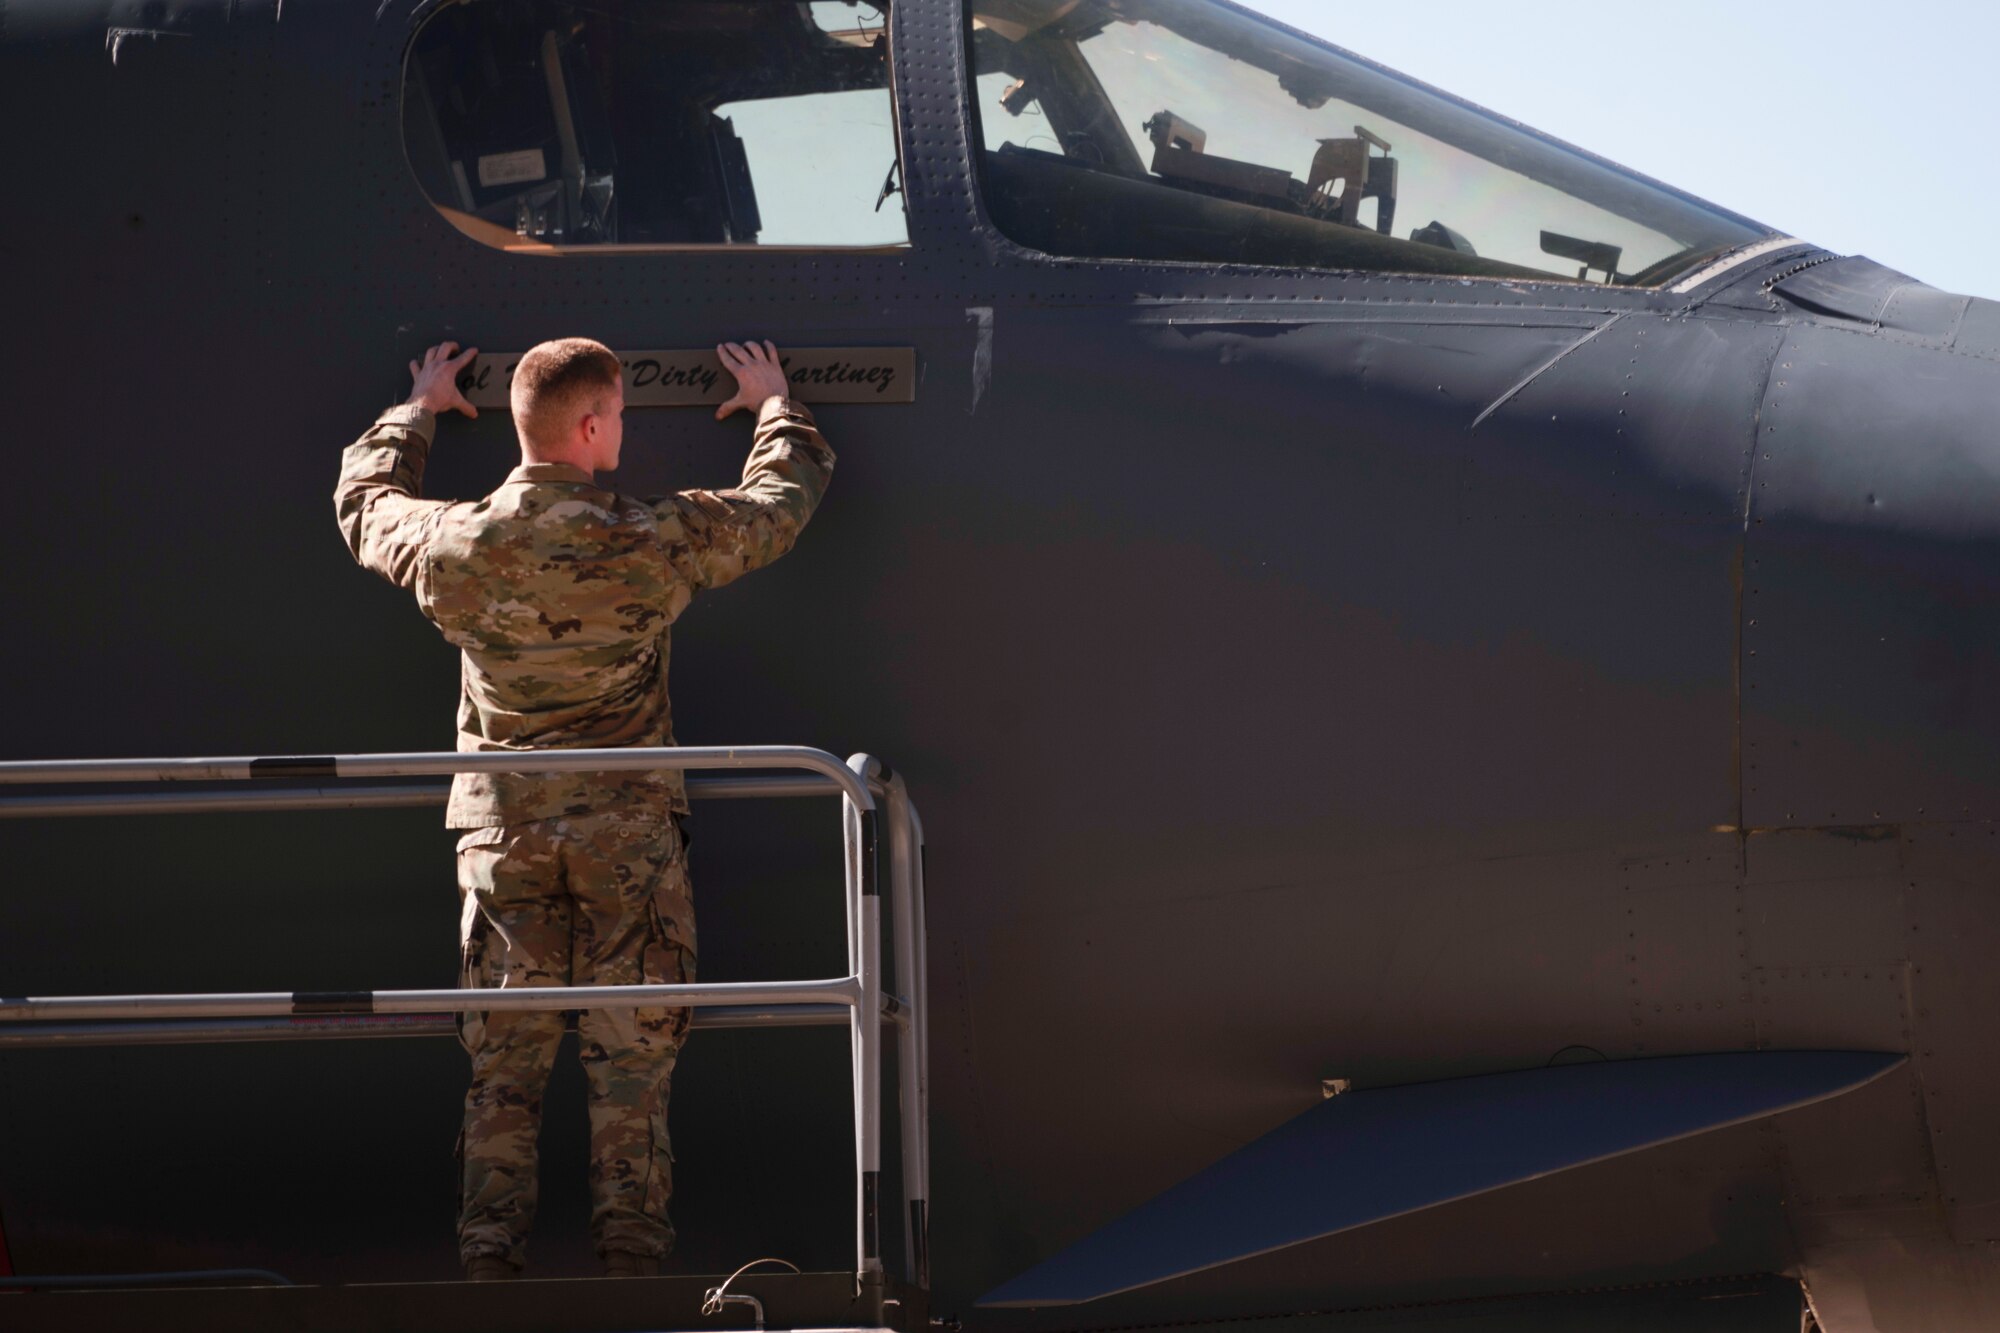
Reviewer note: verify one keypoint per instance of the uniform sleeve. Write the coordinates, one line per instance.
(381, 478)
(723, 535)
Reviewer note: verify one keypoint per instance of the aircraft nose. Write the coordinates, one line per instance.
(1871, 580)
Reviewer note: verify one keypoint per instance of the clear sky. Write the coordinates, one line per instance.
(1868, 128)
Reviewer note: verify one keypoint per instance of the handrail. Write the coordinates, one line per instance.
(352, 1026)
(906, 869)
(381, 796)
(859, 996)
(245, 768)
(844, 991)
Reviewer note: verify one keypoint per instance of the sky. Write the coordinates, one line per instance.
(1869, 129)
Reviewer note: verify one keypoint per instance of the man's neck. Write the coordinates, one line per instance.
(540, 458)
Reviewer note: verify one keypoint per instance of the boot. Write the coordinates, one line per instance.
(624, 1263)
(489, 1268)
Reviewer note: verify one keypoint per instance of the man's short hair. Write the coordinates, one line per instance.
(558, 382)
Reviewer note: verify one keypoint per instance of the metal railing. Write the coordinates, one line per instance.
(857, 999)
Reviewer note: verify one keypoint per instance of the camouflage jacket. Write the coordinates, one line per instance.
(559, 594)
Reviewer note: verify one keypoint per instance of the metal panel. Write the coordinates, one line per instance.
(1925, 312)
(1979, 331)
(1853, 288)
(1827, 966)
(1865, 291)
(1871, 600)
(1858, 1166)
(1952, 875)
(1367, 1156)
(1667, 1203)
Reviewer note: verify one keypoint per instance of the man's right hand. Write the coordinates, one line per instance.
(760, 376)
(436, 379)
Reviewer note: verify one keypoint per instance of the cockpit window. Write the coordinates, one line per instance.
(554, 125)
(1184, 130)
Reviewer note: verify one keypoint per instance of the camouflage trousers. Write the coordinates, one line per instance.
(593, 900)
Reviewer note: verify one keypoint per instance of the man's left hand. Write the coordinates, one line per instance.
(760, 376)
(436, 377)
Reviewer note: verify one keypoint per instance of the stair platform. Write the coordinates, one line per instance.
(820, 1301)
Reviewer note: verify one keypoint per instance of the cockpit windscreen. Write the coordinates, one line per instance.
(1186, 130)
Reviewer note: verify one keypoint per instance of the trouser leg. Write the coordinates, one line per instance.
(515, 927)
(634, 924)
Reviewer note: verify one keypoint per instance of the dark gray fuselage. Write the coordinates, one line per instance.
(1271, 720)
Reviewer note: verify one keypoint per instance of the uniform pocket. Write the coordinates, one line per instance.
(669, 958)
(660, 1170)
(482, 837)
(478, 852)
(672, 913)
(669, 963)
(477, 966)
(669, 907)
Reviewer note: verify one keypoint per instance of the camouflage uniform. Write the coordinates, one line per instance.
(559, 596)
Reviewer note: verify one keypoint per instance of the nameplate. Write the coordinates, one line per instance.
(695, 378)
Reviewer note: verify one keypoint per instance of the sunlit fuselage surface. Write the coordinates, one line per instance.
(1363, 592)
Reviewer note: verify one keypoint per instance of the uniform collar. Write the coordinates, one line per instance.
(551, 472)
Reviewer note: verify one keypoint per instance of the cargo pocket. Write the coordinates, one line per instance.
(473, 968)
(669, 955)
(478, 965)
(458, 1160)
(669, 962)
(660, 1175)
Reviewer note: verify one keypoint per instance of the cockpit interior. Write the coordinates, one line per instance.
(1186, 130)
(539, 124)
(1180, 131)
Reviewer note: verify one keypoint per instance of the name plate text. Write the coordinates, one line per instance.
(695, 378)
